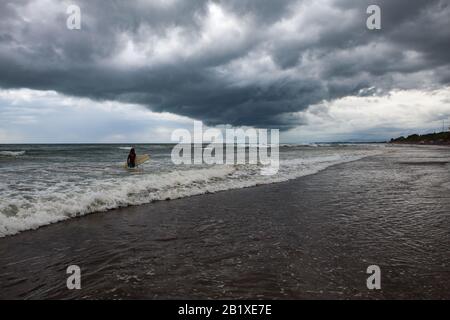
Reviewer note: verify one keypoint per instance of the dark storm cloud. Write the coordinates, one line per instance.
(251, 62)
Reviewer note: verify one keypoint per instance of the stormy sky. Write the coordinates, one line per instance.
(309, 68)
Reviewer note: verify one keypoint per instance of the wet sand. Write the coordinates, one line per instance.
(309, 238)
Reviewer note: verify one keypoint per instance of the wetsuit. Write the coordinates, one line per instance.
(131, 160)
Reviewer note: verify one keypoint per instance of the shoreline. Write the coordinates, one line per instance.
(419, 144)
(434, 139)
(308, 238)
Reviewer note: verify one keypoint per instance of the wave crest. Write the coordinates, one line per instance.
(12, 153)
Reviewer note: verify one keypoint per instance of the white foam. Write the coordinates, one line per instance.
(12, 153)
(289, 145)
(64, 200)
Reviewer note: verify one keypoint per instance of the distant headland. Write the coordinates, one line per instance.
(442, 138)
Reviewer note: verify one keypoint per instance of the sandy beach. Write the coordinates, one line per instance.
(309, 238)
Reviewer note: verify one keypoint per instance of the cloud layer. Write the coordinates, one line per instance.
(238, 62)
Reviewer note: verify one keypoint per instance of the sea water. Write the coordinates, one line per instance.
(43, 184)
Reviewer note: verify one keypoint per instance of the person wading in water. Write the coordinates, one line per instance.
(131, 161)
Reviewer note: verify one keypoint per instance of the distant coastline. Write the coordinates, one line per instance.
(441, 138)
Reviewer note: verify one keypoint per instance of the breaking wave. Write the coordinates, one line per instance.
(46, 204)
(12, 153)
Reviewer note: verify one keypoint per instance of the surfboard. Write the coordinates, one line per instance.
(140, 159)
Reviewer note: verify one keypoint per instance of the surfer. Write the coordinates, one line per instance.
(131, 161)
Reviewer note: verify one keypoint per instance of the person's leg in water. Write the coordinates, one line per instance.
(131, 165)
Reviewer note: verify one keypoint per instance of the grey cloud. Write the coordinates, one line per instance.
(333, 59)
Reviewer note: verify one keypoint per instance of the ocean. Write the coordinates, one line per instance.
(44, 184)
(307, 238)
